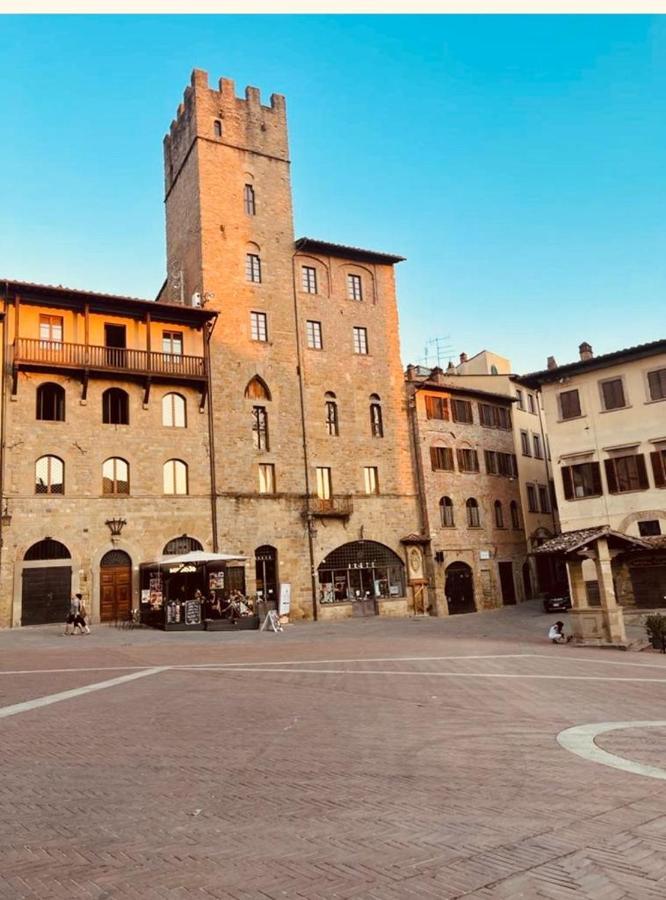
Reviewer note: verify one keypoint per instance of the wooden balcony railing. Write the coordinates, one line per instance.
(111, 359)
(340, 507)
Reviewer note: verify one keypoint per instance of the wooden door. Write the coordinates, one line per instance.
(116, 593)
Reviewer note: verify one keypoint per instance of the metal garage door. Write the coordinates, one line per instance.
(46, 595)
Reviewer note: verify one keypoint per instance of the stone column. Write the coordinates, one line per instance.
(613, 614)
(580, 626)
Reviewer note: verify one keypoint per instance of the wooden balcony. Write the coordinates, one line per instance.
(340, 507)
(32, 353)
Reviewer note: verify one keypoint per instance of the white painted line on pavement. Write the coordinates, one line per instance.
(38, 702)
(313, 662)
(259, 668)
(605, 662)
(83, 669)
(580, 740)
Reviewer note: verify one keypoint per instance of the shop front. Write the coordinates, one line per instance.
(356, 577)
(195, 591)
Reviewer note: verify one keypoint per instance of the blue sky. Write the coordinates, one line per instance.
(518, 162)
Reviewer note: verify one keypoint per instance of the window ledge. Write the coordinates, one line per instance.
(572, 418)
(658, 400)
(615, 409)
(586, 497)
(631, 491)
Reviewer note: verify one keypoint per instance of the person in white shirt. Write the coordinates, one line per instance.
(556, 634)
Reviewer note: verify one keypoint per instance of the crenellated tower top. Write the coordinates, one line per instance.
(218, 115)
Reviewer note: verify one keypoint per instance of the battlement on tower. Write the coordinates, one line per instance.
(219, 116)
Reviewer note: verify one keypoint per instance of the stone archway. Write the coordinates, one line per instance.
(459, 588)
(46, 583)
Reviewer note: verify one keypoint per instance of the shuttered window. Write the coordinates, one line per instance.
(583, 480)
(612, 392)
(569, 404)
(626, 473)
(437, 408)
(494, 416)
(462, 411)
(441, 459)
(657, 384)
(468, 460)
(658, 459)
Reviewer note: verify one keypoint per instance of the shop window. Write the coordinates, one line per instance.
(499, 514)
(473, 513)
(462, 411)
(354, 287)
(115, 476)
(360, 570)
(180, 545)
(515, 515)
(249, 200)
(49, 475)
(266, 574)
(51, 402)
(174, 411)
(260, 428)
(446, 512)
(115, 407)
(376, 418)
(332, 426)
(175, 477)
(582, 480)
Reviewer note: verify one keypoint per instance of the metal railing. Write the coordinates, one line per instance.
(88, 356)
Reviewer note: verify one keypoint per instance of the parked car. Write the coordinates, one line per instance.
(558, 601)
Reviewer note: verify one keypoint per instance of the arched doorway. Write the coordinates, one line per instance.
(527, 581)
(182, 544)
(46, 583)
(361, 570)
(459, 588)
(115, 586)
(266, 573)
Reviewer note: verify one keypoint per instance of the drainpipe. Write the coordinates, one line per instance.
(3, 414)
(424, 523)
(306, 463)
(208, 331)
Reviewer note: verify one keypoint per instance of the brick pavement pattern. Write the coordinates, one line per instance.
(380, 778)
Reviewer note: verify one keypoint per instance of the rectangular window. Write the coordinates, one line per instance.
(538, 452)
(612, 394)
(658, 458)
(532, 498)
(324, 487)
(521, 399)
(249, 200)
(50, 330)
(657, 384)
(260, 427)
(582, 480)
(172, 343)
(361, 341)
(491, 461)
(569, 404)
(371, 479)
(266, 478)
(626, 473)
(314, 335)
(437, 408)
(441, 459)
(252, 268)
(649, 528)
(506, 465)
(462, 411)
(468, 460)
(354, 287)
(544, 504)
(592, 593)
(547, 447)
(258, 321)
(525, 443)
(494, 416)
(309, 279)
(530, 403)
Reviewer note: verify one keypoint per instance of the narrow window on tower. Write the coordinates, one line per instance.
(260, 427)
(249, 200)
(217, 128)
(252, 268)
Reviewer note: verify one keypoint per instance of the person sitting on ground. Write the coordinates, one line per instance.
(556, 634)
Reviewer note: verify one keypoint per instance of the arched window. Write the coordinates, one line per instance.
(332, 425)
(182, 544)
(446, 512)
(361, 570)
(217, 128)
(257, 389)
(249, 200)
(376, 421)
(47, 549)
(175, 476)
(515, 515)
(174, 411)
(51, 402)
(115, 476)
(473, 515)
(115, 407)
(499, 514)
(49, 475)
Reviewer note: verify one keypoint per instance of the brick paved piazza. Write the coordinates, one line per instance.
(367, 759)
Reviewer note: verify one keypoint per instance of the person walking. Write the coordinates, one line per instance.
(77, 616)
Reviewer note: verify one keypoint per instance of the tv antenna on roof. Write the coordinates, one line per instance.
(436, 350)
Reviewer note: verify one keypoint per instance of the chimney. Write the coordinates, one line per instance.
(450, 369)
(463, 358)
(551, 362)
(585, 351)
